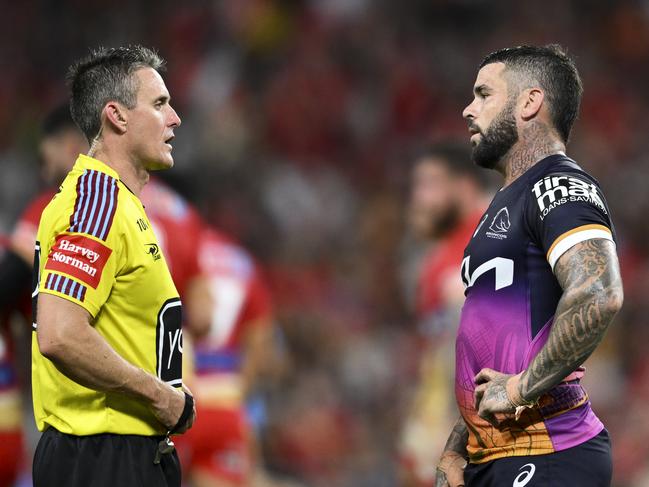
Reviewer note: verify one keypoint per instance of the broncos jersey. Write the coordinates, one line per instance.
(511, 297)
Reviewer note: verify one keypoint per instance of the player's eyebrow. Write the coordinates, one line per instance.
(480, 89)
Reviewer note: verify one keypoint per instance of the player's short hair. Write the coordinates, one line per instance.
(550, 68)
(105, 75)
(455, 156)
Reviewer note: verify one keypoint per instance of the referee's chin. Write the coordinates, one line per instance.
(167, 163)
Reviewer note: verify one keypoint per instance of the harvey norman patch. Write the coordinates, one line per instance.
(80, 257)
(556, 190)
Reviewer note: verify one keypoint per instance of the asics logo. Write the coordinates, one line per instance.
(525, 476)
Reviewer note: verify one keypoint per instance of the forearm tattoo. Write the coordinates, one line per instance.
(457, 442)
(458, 439)
(589, 275)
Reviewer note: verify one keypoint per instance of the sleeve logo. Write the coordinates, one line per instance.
(554, 191)
(80, 257)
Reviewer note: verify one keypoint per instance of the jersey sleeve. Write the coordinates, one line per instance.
(565, 209)
(82, 263)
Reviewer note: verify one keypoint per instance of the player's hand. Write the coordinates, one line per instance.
(491, 395)
(450, 471)
(169, 406)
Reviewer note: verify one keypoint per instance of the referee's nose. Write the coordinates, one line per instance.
(174, 119)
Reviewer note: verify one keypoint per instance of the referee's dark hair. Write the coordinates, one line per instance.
(549, 68)
(106, 74)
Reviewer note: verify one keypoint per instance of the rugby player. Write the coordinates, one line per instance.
(231, 319)
(11, 434)
(447, 199)
(542, 286)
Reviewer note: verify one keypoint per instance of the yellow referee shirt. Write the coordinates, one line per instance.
(96, 248)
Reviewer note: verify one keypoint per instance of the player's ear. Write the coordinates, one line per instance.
(115, 116)
(532, 102)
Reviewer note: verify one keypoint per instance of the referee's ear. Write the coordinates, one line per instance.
(115, 116)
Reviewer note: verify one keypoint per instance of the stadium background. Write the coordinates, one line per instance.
(299, 120)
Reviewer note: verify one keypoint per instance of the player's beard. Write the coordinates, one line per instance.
(497, 139)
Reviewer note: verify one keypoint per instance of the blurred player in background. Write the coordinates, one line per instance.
(447, 199)
(61, 142)
(542, 286)
(231, 320)
(11, 434)
(229, 315)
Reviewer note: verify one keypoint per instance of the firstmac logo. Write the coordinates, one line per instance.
(554, 191)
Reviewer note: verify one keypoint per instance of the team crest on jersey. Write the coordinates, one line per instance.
(80, 257)
(554, 191)
(500, 225)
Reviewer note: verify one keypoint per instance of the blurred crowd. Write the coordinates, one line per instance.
(301, 121)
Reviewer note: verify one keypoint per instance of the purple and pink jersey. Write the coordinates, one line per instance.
(511, 297)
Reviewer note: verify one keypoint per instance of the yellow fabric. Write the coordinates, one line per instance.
(127, 305)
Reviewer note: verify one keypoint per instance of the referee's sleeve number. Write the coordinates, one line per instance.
(169, 343)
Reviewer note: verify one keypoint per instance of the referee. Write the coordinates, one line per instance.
(107, 340)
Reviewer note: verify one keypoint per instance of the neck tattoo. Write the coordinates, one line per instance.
(536, 142)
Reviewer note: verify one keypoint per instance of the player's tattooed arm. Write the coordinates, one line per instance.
(589, 275)
(450, 471)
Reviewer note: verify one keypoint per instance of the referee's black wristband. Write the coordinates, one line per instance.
(187, 412)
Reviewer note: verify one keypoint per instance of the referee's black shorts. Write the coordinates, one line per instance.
(585, 465)
(105, 460)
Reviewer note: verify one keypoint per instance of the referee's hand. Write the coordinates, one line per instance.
(169, 407)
